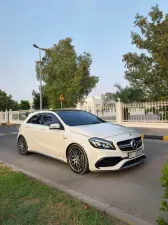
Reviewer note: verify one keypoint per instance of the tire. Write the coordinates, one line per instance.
(22, 146)
(77, 159)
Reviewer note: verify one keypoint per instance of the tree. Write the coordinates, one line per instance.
(65, 72)
(108, 98)
(24, 105)
(149, 69)
(6, 102)
(36, 100)
(126, 95)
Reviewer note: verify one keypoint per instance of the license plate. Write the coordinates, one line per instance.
(135, 154)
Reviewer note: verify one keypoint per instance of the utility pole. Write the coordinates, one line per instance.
(41, 103)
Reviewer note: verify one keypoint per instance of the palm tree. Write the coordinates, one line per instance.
(128, 94)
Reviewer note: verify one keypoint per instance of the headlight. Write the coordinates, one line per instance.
(101, 143)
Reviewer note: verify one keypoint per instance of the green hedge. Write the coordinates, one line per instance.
(164, 202)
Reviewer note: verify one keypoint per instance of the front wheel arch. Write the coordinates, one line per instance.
(86, 169)
(74, 143)
(69, 148)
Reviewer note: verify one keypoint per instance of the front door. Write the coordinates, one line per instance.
(52, 140)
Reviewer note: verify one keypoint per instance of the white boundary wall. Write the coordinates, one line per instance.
(3, 117)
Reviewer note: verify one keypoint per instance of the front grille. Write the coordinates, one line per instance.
(126, 145)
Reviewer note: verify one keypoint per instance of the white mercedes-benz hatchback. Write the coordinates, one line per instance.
(84, 141)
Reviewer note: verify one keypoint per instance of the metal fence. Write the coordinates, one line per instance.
(107, 112)
(146, 112)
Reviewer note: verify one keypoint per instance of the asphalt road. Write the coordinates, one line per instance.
(136, 191)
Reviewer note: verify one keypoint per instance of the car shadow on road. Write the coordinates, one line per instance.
(63, 166)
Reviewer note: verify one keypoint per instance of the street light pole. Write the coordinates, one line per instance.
(40, 71)
(41, 103)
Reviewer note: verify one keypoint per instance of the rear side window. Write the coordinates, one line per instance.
(49, 118)
(36, 119)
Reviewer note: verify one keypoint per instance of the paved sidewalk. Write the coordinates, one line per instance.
(152, 131)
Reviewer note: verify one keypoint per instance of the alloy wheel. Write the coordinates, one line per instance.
(22, 146)
(76, 159)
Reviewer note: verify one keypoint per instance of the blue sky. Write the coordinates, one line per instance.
(99, 27)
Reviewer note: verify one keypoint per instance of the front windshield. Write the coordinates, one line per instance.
(77, 118)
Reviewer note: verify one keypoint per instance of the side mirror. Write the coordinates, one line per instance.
(55, 126)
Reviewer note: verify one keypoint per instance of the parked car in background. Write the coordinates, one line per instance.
(84, 141)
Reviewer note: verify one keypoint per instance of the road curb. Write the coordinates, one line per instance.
(155, 137)
(103, 207)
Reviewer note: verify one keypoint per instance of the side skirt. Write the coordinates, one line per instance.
(50, 156)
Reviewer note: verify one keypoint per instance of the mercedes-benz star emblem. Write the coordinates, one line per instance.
(134, 144)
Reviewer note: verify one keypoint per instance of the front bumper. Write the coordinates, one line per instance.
(114, 160)
(115, 163)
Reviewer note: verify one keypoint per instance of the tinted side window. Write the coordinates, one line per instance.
(49, 119)
(36, 119)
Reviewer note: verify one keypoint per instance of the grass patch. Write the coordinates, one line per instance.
(24, 201)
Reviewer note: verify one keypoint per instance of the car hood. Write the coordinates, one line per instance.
(102, 130)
